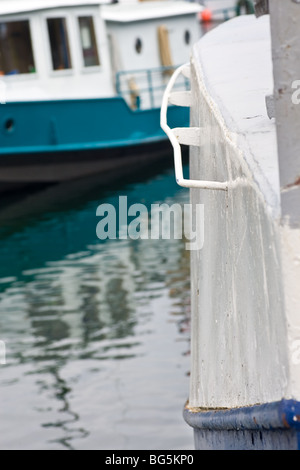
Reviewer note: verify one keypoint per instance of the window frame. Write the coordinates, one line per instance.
(52, 15)
(83, 68)
(28, 75)
(73, 28)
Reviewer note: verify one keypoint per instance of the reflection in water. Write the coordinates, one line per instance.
(97, 333)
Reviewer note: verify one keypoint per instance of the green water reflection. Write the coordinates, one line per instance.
(97, 333)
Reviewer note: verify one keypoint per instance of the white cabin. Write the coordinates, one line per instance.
(73, 49)
(147, 36)
(140, 34)
(64, 50)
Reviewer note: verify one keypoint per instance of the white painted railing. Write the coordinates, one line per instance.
(182, 135)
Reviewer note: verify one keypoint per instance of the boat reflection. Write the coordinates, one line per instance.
(96, 331)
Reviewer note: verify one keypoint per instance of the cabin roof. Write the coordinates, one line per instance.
(122, 13)
(10, 7)
(128, 12)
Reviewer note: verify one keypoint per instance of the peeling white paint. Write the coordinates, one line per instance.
(240, 351)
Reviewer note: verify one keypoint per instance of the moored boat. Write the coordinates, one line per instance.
(222, 10)
(82, 81)
(244, 169)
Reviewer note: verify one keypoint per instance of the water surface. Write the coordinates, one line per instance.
(97, 332)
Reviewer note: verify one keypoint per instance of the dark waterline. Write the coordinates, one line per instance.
(97, 333)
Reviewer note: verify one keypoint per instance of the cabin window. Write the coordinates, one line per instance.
(16, 55)
(59, 43)
(88, 41)
(138, 45)
(187, 37)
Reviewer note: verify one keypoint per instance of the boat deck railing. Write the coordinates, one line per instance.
(227, 13)
(240, 7)
(144, 88)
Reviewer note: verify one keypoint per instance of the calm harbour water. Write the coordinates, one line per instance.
(97, 332)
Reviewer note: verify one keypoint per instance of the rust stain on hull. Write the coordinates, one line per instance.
(294, 184)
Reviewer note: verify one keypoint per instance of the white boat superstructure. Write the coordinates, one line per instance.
(73, 49)
(64, 51)
(82, 76)
(146, 36)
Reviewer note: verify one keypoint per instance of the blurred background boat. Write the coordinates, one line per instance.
(82, 81)
(222, 10)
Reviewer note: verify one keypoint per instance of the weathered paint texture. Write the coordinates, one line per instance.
(239, 331)
(290, 254)
(272, 426)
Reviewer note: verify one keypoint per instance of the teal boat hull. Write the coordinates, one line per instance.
(64, 139)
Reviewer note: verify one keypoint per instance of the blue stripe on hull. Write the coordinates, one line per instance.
(68, 125)
(272, 426)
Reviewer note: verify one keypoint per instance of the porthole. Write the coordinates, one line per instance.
(138, 45)
(9, 125)
(187, 37)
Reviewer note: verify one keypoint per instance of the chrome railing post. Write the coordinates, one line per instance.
(150, 87)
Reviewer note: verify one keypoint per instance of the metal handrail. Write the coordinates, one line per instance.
(149, 76)
(181, 181)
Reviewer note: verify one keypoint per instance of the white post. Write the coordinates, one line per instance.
(285, 31)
